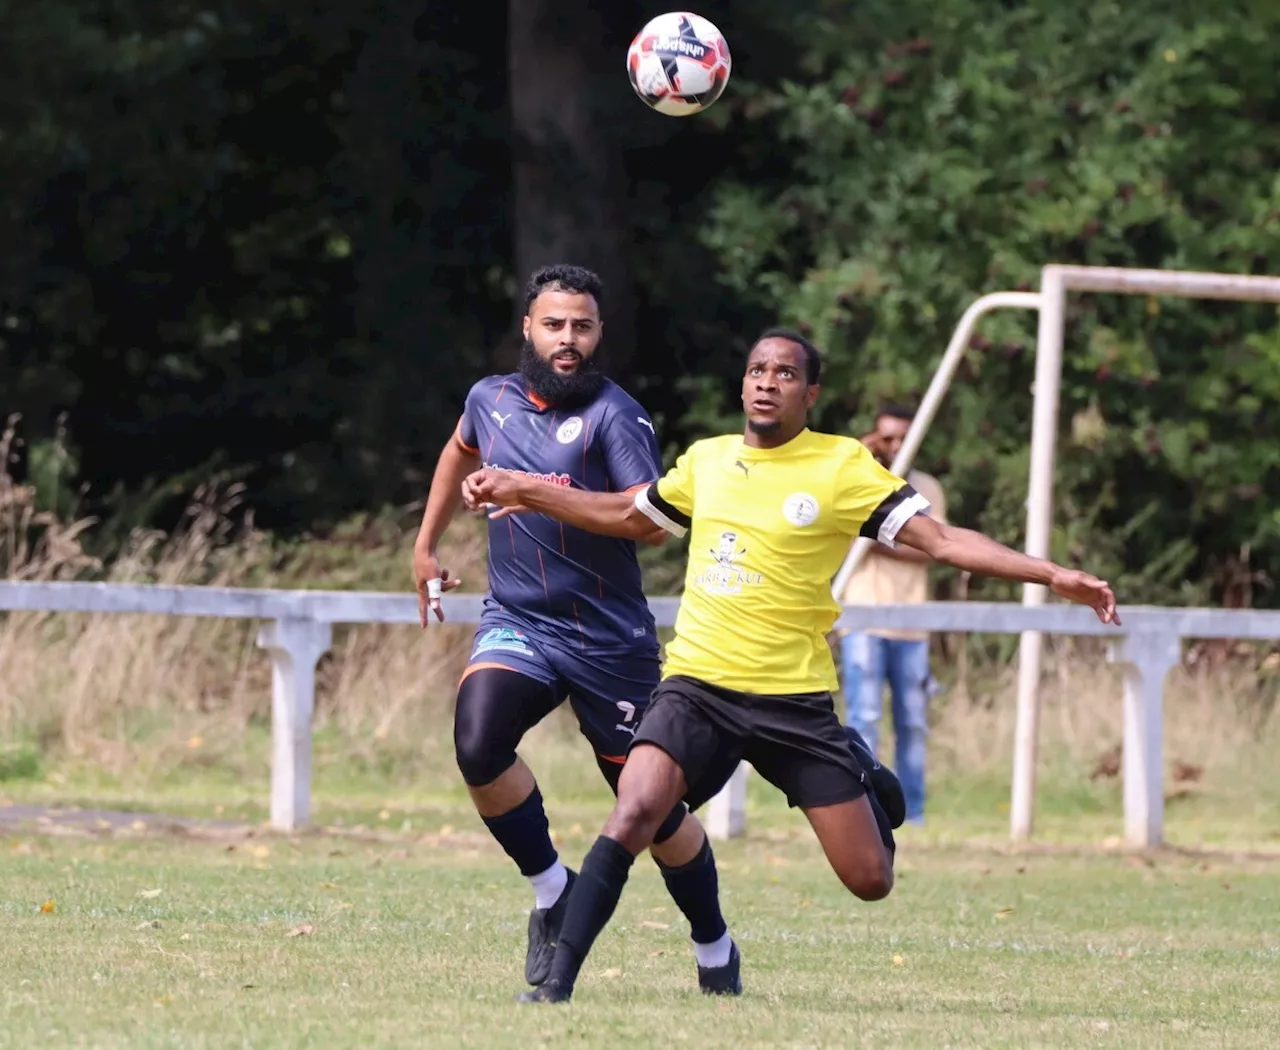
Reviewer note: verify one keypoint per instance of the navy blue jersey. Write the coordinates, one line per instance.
(578, 588)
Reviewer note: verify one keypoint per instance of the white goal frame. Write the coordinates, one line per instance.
(727, 810)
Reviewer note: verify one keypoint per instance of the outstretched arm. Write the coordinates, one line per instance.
(606, 513)
(454, 464)
(905, 554)
(976, 553)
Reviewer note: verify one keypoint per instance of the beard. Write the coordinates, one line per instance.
(764, 429)
(560, 388)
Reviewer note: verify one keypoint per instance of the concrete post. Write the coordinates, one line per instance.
(726, 816)
(1147, 658)
(295, 647)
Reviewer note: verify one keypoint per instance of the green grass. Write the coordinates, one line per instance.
(417, 940)
(417, 921)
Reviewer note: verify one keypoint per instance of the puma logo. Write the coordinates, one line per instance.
(500, 418)
(742, 467)
(645, 423)
(628, 711)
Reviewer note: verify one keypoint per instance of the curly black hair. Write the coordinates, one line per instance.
(563, 278)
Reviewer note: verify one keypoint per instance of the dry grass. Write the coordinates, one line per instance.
(1215, 716)
(151, 695)
(147, 692)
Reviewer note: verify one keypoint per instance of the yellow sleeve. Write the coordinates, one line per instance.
(668, 502)
(871, 502)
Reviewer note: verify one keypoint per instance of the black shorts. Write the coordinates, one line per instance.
(794, 742)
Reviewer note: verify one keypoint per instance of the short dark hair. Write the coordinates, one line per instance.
(563, 278)
(812, 358)
(894, 411)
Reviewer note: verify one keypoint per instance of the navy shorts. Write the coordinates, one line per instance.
(609, 693)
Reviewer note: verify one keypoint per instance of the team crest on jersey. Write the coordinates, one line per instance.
(503, 639)
(725, 576)
(800, 509)
(569, 430)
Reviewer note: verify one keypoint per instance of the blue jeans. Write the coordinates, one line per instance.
(867, 661)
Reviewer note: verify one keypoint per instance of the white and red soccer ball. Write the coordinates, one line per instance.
(679, 63)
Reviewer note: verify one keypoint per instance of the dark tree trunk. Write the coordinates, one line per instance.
(570, 187)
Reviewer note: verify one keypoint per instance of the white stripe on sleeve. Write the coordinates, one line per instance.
(899, 516)
(646, 507)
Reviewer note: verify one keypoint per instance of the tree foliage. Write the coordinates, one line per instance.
(277, 241)
(942, 150)
(245, 236)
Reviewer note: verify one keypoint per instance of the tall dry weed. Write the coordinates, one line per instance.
(1214, 717)
(156, 694)
(151, 693)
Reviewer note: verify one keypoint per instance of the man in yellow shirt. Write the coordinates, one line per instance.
(749, 674)
(893, 576)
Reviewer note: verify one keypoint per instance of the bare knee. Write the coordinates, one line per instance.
(650, 785)
(872, 881)
(876, 888)
(635, 818)
(505, 792)
(681, 846)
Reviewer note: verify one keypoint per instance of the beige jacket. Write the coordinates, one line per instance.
(882, 580)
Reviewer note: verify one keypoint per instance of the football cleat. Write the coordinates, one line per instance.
(544, 932)
(722, 980)
(550, 991)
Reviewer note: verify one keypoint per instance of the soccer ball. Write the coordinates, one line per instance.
(678, 63)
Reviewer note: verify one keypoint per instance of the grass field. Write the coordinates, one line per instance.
(400, 924)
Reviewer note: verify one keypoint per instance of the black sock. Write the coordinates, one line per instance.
(525, 834)
(882, 822)
(885, 785)
(592, 900)
(695, 888)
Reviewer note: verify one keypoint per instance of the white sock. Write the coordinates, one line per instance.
(715, 954)
(548, 885)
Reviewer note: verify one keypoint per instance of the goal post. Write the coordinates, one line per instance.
(1055, 282)
(726, 815)
(938, 387)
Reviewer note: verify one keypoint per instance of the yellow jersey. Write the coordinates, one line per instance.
(769, 528)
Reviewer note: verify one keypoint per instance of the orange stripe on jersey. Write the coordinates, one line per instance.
(617, 760)
(473, 668)
(457, 436)
(501, 389)
(543, 569)
(538, 403)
